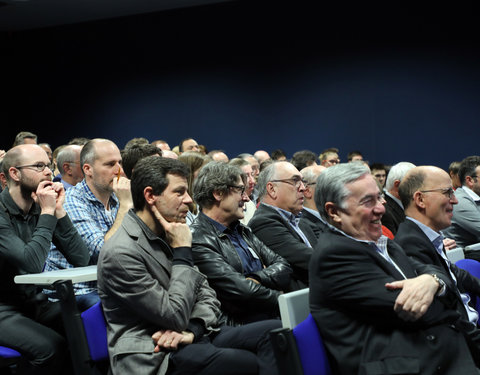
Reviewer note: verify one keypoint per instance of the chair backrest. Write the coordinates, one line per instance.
(294, 307)
(310, 348)
(473, 267)
(96, 332)
(455, 255)
(8, 357)
(473, 247)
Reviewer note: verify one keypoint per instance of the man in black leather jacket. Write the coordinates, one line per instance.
(247, 276)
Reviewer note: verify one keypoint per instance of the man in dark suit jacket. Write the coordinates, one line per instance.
(275, 222)
(378, 311)
(428, 197)
(310, 216)
(394, 214)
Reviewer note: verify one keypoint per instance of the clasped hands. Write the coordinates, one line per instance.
(416, 296)
(169, 340)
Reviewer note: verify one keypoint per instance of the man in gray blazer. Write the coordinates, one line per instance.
(161, 313)
(465, 228)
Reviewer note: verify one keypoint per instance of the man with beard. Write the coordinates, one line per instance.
(97, 206)
(31, 217)
(276, 221)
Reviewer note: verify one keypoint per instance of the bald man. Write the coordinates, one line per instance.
(31, 218)
(428, 197)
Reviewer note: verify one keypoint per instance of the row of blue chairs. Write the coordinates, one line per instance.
(95, 329)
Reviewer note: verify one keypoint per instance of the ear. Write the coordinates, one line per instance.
(396, 184)
(332, 212)
(87, 169)
(218, 195)
(271, 190)
(308, 193)
(469, 181)
(14, 174)
(150, 198)
(67, 168)
(418, 199)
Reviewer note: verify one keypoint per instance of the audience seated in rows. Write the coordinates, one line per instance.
(161, 314)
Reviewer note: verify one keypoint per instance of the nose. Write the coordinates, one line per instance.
(453, 199)
(245, 197)
(187, 199)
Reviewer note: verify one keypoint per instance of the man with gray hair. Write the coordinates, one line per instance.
(377, 310)
(394, 210)
(276, 220)
(310, 216)
(247, 276)
(68, 164)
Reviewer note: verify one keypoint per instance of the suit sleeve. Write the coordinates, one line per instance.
(349, 278)
(467, 216)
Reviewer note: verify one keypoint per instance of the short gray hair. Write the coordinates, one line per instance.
(66, 155)
(331, 184)
(215, 176)
(397, 172)
(263, 178)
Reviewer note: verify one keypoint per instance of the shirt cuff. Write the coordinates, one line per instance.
(182, 256)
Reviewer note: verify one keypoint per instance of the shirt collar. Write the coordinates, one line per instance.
(234, 227)
(434, 237)
(313, 212)
(471, 193)
(381, 242)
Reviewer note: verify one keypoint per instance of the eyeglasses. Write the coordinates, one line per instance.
(39, 167)
(238, 188)
(294, 181)
(448, 192)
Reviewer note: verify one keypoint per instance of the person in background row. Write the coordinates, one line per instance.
(379, 172)
(68, 162)
(24, 138)
(188, 144)
(354, 156)
(453, 172)
(329, 157)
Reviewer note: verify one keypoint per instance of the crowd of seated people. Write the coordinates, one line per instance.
(194, 248)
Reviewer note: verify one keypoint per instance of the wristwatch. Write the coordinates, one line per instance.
(441, 284)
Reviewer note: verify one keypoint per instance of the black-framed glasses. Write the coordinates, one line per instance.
(448, 192)
(240, 189)
(294, 181)
(39, 167)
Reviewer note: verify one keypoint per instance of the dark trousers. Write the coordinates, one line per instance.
(34, 333)
(240, 350)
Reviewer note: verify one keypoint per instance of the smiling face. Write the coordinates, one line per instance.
(230, 207)
(361, 218)
(437, 206)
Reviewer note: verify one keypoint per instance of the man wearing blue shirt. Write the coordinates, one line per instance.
(96, 206)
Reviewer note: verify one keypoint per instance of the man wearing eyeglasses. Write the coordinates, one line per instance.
(428, 197)
(31, 218)
(276, 221)
(465, 228)
(310, 216)
(247, 276)
(379, 311)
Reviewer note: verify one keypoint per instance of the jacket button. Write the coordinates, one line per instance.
(431, 337)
